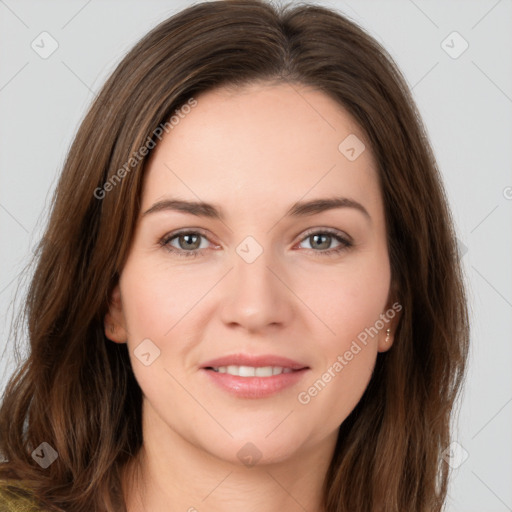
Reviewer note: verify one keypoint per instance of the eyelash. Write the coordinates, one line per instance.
(344, 243)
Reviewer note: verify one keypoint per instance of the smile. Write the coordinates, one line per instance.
(251, 371)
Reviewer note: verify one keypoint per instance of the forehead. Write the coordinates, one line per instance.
(263, 142)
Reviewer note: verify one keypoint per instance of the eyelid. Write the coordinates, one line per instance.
(329, 231)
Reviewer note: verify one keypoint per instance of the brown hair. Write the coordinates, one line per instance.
(76, 389)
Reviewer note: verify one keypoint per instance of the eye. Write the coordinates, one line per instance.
(185, 243)
(321, 242)
(193, 243)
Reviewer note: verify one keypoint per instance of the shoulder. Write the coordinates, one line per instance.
(15, 496)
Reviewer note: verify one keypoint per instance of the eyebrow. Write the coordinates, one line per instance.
(299, 209)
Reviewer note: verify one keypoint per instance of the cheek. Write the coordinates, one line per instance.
(158, 298)
(156, 302)
(348, 300)
(345, 360)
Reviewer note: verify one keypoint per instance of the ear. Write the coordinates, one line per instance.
(114, 322)
(390, 318)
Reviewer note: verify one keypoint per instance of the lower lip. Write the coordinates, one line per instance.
(255, 387)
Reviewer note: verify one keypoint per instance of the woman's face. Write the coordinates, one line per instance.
(266, 271)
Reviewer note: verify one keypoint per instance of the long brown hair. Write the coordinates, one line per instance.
(76, 390)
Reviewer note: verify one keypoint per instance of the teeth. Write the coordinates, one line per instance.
(251, 371)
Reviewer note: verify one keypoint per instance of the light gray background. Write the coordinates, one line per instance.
(466, 104)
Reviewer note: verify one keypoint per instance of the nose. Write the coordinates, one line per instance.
(256, 296)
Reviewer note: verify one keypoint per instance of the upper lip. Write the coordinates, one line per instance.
(254, 360)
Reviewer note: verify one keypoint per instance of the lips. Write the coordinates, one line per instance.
(254, 361)
(254, 376)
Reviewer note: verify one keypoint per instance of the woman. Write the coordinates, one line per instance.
(248, 292)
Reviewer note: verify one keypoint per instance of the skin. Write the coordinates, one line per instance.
(253, 152)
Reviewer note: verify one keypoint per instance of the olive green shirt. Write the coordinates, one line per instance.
(16, 497)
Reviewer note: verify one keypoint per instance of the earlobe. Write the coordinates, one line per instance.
(386, 340)
(114, 324)
(387, 335)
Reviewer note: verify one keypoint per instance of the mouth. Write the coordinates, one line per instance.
(246, 376)
(245, 363)
(252, 371)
